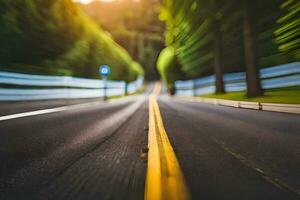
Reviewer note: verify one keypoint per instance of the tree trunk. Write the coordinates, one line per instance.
(218, 40)
(141, 47)
(250, 42)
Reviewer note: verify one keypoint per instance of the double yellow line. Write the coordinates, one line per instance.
(164, 179)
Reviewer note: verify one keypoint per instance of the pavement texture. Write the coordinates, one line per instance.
(99, 151)
(230, 153)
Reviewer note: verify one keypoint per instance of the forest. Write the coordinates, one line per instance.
(57, 37)
(206, 37)
(134, 25)
(200, 37)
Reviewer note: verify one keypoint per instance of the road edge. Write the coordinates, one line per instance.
(273, 107)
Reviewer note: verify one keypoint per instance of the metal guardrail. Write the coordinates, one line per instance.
(272, 77)
(66, 87)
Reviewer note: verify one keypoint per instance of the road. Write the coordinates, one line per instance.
(99, 150)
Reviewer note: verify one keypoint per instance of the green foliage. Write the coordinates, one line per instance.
(192, 24)
(56, 34)
(190, 29)
(134, 25)
(288, 34)
(169, 67)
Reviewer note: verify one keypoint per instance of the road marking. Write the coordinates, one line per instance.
(164, 180)
(47, 111)
(269, 178)
(60, 109)
(32, 113)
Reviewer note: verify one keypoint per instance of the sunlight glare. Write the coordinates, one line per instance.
(89, 1)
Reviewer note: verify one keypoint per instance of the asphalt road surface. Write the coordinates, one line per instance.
(99, 150)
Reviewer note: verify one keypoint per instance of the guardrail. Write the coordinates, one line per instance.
(272, 77)
(59, 87)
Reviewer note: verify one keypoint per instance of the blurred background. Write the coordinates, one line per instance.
(201, 41)
(211, 99)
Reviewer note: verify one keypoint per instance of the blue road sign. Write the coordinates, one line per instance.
(104, 70)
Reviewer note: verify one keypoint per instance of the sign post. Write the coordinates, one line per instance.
(104, 71)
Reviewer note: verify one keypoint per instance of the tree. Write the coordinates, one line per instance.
(218, 47)
(134, 25)
(195, 31)
(251, 57)
(169, 68)
(288, 32)
(55, 36)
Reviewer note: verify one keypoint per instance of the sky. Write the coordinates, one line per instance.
(88, 1)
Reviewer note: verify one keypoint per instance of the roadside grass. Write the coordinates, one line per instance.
(289, 95)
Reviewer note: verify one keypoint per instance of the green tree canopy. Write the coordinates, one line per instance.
(209, 36)
(57, 35)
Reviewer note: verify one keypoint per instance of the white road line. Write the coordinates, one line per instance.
(31, 113)
(64, 108)
(47, 111)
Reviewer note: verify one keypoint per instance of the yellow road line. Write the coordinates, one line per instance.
(164, 179)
